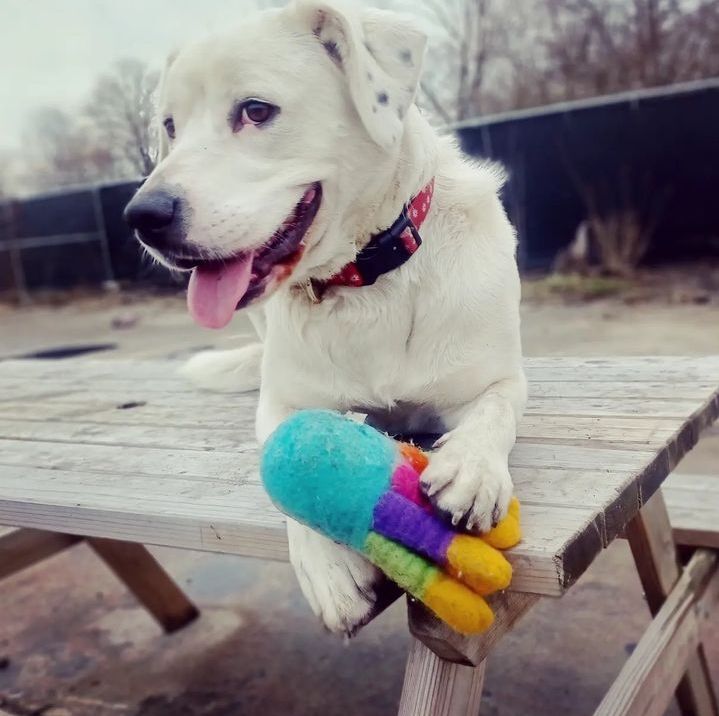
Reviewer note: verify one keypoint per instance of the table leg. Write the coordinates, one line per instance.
(147, 580)
(435, 687)
(655, 555)
(21, 548)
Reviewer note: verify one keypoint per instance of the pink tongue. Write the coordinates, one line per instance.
(213, 293)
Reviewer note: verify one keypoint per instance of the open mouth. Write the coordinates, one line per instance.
(219, 287)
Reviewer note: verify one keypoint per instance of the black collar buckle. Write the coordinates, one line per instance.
(387, 250)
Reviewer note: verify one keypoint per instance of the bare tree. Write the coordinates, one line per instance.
(488, 56)
(60, 151)
(120, 110)
(111, 140)
(597, 47)
(470, 36)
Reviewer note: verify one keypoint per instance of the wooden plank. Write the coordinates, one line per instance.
(135, 393)
(647, 682)
(148, 581)
(652, 368)
(508, 607)
(253, 536)
(159, 460)
(634, 368)
(624, 407)
(128, 460)
(587, 429)
(650, 539)
(21, 548)
(693, 506)
(603, 388)
(153, 425)
(621, 389)
(138, 413)
(434, 687)
(89, 368)
(153, 434)
(207, 428)
(608, 408)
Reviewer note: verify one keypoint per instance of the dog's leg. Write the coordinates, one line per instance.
(232, 371)
(468, 477)
(337, 582)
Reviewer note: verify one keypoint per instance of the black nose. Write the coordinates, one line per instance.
(152, 215)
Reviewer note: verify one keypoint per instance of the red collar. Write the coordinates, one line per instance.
(385, 251)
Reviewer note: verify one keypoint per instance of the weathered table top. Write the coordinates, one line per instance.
(124, 449)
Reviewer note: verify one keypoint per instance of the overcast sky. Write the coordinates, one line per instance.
(52, 50)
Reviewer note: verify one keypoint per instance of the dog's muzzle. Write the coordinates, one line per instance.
(157, 218)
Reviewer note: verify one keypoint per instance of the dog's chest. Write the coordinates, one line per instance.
(354, 355)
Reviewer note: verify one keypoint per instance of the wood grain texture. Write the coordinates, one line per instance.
(435, 687)
(126, 450)
(647, 682)
(508, 607)
(651, 542)
(21, 548)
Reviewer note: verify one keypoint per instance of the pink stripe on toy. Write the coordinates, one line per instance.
(405, 481)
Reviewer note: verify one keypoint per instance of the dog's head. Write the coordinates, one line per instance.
(270, 134)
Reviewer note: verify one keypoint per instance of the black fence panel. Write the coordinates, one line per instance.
(62, 213)
(74, 238)
(654, 152)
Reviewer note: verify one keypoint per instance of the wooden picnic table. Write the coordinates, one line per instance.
(126, 450)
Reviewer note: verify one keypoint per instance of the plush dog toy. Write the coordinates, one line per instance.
(359, 487)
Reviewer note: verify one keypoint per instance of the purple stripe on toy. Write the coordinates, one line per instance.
(399, 519)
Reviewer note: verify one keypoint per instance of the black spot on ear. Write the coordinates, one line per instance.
(370, 77)
(382, 97)
(333, 51)
(406, 56)
(317, 29)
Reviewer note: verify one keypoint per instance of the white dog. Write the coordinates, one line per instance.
(290, 144)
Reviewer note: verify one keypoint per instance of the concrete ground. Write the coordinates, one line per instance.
(74, 643)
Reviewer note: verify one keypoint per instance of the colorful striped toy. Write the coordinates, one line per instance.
(361, 488)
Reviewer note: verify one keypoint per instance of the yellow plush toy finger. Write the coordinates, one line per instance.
(507, 533)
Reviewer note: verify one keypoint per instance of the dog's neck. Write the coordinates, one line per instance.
(376, 206)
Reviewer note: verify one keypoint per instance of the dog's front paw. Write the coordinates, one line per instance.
(470, 485)
(338, 583)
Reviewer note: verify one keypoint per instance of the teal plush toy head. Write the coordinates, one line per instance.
(328, 472)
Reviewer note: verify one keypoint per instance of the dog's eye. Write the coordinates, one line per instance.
(253, 111)
(169, 124)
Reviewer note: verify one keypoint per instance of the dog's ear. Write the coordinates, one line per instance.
(380, 53)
